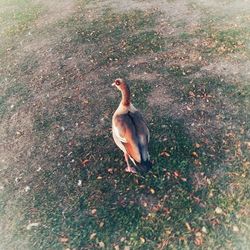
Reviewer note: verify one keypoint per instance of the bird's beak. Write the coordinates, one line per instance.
(113, 84)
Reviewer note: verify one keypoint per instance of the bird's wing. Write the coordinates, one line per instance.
(140, 123)
(125, 130)
(142, 133)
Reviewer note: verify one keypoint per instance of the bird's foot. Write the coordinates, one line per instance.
(129, 169)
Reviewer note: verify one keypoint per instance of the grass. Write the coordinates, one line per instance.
(114, 37)
(71, 179)
(13, 98)
(17, 21)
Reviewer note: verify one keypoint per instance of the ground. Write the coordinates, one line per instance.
(62, 179)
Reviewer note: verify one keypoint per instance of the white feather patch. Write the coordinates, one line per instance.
(116, 132)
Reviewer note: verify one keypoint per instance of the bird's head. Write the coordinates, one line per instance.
(120, 84)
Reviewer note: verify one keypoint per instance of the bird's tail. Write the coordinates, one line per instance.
(144, 166)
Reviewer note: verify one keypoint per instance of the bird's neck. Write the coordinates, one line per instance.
(125, 97)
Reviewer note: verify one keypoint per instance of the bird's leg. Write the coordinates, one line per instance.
(128, 169)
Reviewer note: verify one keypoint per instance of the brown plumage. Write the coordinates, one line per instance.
(130, 131)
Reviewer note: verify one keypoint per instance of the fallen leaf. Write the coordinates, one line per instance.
(165, 210)
(142, 240)
(197, 163)
(176, 174)
(110, 170)
(191, 94)
(101, 244)
(92, 236)
(168, 232)
(93, 211)
(218, 210)
(248, 144)
(198, 234)
(215, 222)
(101, 224)
(204, 230)
(64, 239)
(164, 154)
(246, 164)
(156, 208)
(198, 241)
(188, 226)
(235, 228)
(85, 162)
(194, 154)
(197, 145)
(152, 191)
(33, 224)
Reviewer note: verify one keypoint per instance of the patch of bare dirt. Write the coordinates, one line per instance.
(230, 70)
(55, 11)
(16, 142)
(161, 97)
(229, 7)
(144, 76)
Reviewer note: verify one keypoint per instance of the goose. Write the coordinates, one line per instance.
(130, 131)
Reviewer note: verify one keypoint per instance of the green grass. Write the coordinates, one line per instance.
(20, 20)
(67, 208)
(117, 37)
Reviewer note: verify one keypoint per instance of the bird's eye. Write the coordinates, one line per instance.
(117, 82)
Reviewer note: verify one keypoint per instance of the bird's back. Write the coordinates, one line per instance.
(131, 135)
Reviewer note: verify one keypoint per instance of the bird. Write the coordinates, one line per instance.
(130, 131)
